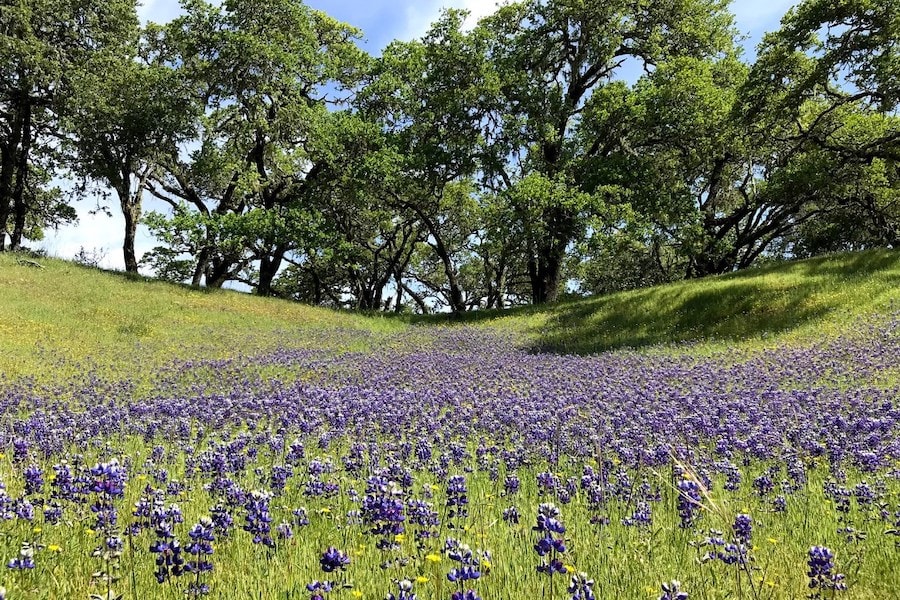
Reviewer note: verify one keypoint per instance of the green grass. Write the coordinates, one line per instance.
(793, 301)
(66, 310)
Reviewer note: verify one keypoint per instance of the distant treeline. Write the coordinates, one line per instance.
(557, 147)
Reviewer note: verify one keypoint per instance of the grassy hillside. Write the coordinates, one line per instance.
(765, 306)
(66, 311)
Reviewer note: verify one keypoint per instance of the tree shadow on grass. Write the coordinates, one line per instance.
(766, 301)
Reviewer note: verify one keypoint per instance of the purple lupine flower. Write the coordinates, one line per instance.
(34, 480)
(422, 515)
(319, 589)
(284, 531)
(23, 509)
(258, 520)
(25, 559)
(385, 515)
(20, 450)
(469, 562)
(511, 515)
(63, 486)
(642, 516)
(821, 571)
(333, 560)
(547, 521)
(201, 536)
(404, 591)
(457, 500)
(763, 484)
(672, 591)
(109, 479)
(200, 548)
(169, 561)
(222, 520)
(278, 478)
(464, 573)
(742, 528)
(301, 517)
(549, 547)
(581, 587)
(779, 504)
(53, 513)
(547, 483)
(689, 502)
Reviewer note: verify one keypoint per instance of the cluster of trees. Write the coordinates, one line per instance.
(559, 146)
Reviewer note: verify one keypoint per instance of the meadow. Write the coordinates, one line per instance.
(738, 435)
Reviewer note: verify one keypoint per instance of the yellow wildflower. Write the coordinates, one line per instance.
(421, 579)
(54, 548)
(435, 558)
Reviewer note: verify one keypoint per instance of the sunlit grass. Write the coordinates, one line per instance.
(55, 317)
(761, 307)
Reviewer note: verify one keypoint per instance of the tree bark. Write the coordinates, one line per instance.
(20, 204)
(131, 211)
(200, 269)
(7, 173)
(132, 214)
(540, 274)
(268, 270)
(545, 273)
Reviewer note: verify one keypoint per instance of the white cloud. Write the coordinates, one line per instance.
(145, 9)
(419, 16)
(479, 8)
(158, 11)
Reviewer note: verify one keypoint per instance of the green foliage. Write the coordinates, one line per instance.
(45, 47)
(259, 75)
(556, 116)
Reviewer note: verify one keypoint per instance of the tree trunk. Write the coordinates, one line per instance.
(268, 270)
(20, 204)
(457, 303)
(200, 269)
(131, 210)
(7, 172)
(545, 273)
(7, 166)
(398, 300)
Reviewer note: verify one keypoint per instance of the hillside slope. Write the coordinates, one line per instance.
(64, 313)
(758, 307)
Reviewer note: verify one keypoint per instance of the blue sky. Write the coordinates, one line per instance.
(381, 21)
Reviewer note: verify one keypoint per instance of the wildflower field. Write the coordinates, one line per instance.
(339, 459)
